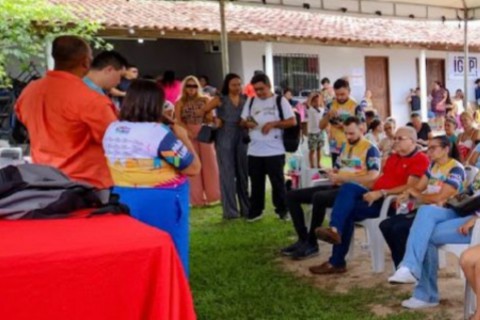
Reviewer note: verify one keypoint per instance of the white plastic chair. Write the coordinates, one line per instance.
(375, 241)
(458, 249)
(10, 156)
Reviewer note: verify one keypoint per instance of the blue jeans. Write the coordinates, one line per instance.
(433, 226)
(348, 208)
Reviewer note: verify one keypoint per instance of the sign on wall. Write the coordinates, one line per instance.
(457, 66)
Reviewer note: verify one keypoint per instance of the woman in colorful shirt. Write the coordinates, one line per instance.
(190, 114)
(469, 138)
(433, 226)
(149, 162)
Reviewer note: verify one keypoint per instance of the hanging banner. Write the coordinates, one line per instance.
(457, 65)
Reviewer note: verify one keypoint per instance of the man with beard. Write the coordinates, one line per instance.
(341, 108)
(359, 163)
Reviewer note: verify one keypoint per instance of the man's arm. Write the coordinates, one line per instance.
(117, 93)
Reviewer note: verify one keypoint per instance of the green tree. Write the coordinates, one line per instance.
(26, 25)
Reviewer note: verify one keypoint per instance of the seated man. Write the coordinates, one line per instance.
(356, 202)
(356, 163)
(66, 120)
(424, 132)
(106, 71)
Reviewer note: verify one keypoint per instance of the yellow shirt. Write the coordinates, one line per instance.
(344, 111)
(358, 159)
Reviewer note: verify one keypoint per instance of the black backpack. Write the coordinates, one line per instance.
(291, 136)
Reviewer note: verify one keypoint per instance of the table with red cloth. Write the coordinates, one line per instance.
(99, 268)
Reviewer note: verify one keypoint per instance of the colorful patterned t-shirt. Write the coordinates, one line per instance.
(145, 154)
(359, 158)
(451, 173)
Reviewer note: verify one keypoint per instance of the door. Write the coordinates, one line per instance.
(377, 81)
(435, 72)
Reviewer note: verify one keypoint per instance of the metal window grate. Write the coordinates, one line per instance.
(296, 71)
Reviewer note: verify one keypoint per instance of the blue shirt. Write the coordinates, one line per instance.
(93, 86)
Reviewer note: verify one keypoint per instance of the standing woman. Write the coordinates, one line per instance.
(171, 86)
(468, 138)
(149, 161)
(438, 104)
(190, 114)
(231, 147)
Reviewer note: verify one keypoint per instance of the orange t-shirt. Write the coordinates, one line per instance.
(249, 91)
(66, 122)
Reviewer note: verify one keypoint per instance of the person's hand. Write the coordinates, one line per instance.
(250, 124)
(467, 226)
(267, 127)
(403, 197)
(335, 178)
(180, 132)
(413, 192)
(372, 196)
(332, 113)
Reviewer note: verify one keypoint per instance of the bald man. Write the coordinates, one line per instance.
(355, 202)
(66, 120)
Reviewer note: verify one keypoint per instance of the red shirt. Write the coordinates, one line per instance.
(66, 121)
(398, 169)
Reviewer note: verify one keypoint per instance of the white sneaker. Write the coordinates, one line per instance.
(255, 219)
(414, 303)
(402, 275)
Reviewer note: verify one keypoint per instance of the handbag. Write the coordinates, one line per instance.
(464, 204)
(207, 133)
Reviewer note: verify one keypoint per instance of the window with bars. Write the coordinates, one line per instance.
(295, 71)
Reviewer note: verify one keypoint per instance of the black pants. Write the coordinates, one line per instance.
(395, 230)
(321, 198)
(258, 169)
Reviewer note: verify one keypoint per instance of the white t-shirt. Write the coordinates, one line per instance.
(264, 111)
(314, 117)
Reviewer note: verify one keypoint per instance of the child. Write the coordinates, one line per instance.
(315, 111)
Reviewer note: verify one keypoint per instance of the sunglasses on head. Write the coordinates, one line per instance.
(191, 86)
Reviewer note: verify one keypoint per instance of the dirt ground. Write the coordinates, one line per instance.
(360, 275)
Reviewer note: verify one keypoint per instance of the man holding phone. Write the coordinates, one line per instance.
(266, 151)
(359, 162)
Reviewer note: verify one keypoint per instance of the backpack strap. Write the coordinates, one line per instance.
(279, 107)
(250, 106)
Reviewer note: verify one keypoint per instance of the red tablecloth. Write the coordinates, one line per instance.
(106, 267)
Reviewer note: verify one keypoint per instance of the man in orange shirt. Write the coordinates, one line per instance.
(66, 120)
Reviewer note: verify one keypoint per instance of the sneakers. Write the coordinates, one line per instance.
(288, 251)
(285, 216)
(305, 251)
(414, 303)
(255, 218)
(402, 276)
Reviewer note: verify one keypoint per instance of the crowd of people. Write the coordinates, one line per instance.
(100, 123)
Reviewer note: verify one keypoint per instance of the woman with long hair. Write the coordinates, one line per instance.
(438, 103)
(171, 86)
(468, 138)
(434, 225)
(375, 132)
(231, 147)
(190, 113)
(149, 158)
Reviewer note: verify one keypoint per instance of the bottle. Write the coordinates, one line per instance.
(403, 208)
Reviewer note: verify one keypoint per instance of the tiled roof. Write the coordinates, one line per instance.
(261, 22)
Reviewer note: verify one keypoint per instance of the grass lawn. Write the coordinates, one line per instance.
(235, 274)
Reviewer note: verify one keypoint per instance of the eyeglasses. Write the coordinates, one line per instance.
(432, 148)
(191, 86)
(400, 138)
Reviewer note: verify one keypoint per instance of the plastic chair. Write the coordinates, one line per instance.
(375, 241)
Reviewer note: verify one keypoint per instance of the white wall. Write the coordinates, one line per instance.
(336, 62)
